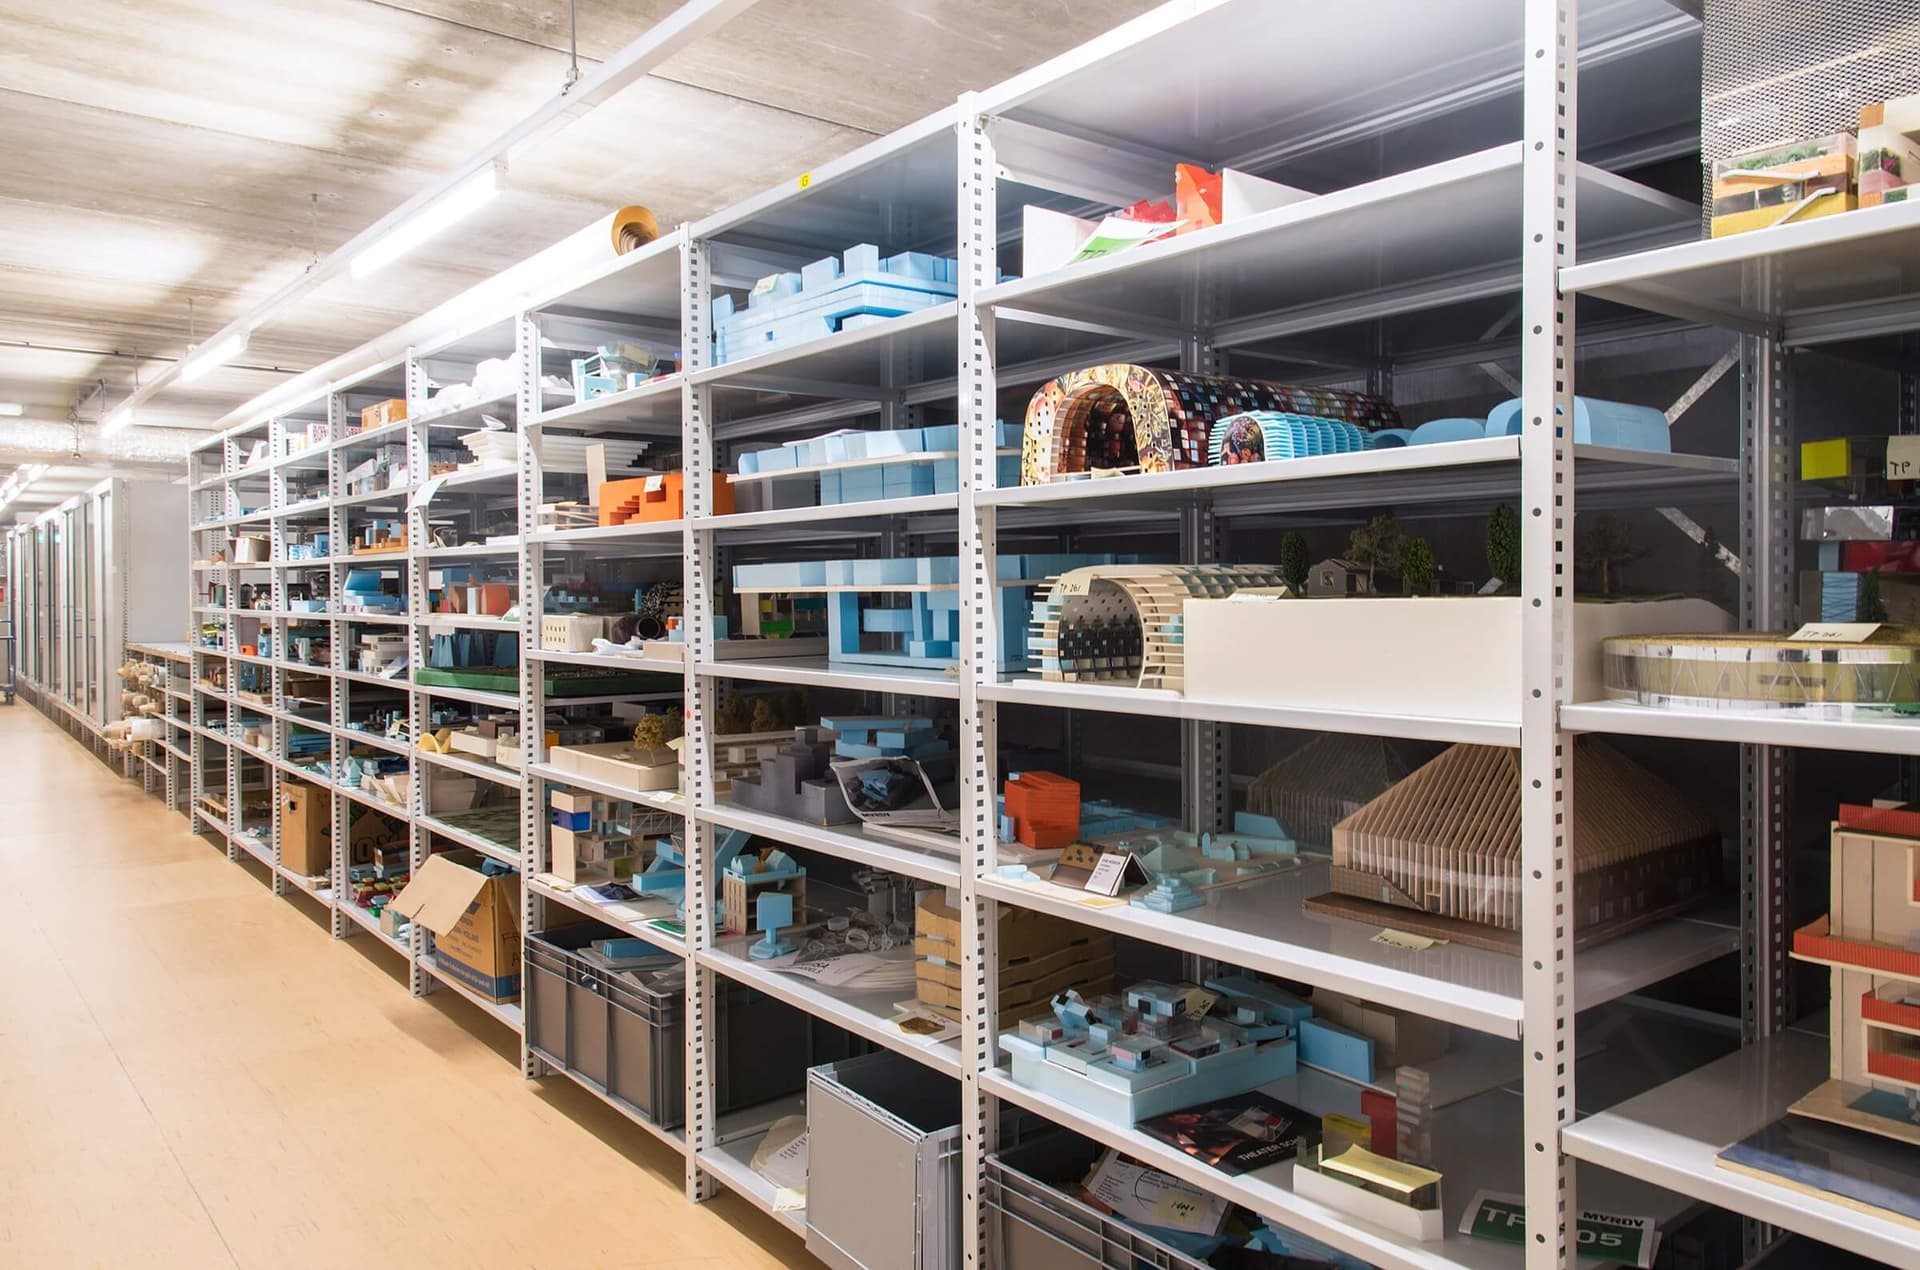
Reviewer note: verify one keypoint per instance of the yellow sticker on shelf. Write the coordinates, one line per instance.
(1404, 939)
(806, 179)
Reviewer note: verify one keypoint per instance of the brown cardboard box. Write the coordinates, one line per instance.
(475, 920)
(381, 413)
(306, 829)
(367, 830)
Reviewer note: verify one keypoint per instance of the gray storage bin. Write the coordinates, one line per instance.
(626, 1039)
(883, 1165)
(1036, 1225)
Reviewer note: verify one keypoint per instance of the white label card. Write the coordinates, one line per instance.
(1835, 632)
(1109, 873)
(1903, 458)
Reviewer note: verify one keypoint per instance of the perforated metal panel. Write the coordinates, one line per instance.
(1783, 70)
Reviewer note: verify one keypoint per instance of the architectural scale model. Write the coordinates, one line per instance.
(1440, 852)
(1125, 416)
(1124, 623)
(1328, 779)
(1125, 1058)
(1750, 672)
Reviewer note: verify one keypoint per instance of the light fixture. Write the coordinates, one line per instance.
(460, 201)
(116, 420)
(205, 357)
(12, 409)
(20, 482)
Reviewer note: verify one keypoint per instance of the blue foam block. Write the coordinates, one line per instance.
(1336, 1049)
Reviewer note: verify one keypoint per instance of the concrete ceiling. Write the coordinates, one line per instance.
(154, 152)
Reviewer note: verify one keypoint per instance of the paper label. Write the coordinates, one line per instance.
(1903, 458)
(1200, 1002)
(1405, 939)
(1627, 1241)
(1154, 1198)
(1835, 632)
(1108, 874)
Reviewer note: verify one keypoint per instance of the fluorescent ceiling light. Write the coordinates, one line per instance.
(12, 409)
(457, 203)
(207, 356)
(116, 420)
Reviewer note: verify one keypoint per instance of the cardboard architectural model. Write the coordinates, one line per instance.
(1126, 416)
(1127, 623)
(1868, 941)
(1439, 853)
(1328, 779)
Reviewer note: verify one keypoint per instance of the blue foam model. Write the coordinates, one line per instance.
(829, 295)
(1437, 431)
(1333, 1048)
(1595, 422)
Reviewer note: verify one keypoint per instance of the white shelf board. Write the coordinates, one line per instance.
(367, 921)
(872, 508)
(865, 1014)
(1262, 926)
(731, 1163)
(304, 886)
(1851, 274)
(1429, 236)
(471, 551)
(375, 804)
(507, 1013)
(814, 672)
(1671, 1136)
(472, 696)
(642, 283)
(599, 536)
(648, 910)
(654, 404)
(478, 768)
(1864, 732)
(468, 622)
(607, 661)
(841, 841)
(661, 800)
(1165, 703)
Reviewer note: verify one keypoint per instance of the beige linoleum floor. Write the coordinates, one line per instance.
(194, 1074)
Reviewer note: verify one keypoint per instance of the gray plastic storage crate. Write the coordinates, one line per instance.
(1036, 1225)
(883, 1165)
(625, 1038)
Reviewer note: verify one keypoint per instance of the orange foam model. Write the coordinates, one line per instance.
(659, 497)
(1045, 808)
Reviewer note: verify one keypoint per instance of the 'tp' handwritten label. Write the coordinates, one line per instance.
(1835, 632)
(1903, 458)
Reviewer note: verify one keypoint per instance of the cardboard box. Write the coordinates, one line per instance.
(1790, 181)
(475, 920)
(306, 829)
(381, 413)
(367, 831)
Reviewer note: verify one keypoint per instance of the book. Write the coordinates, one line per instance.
(1238, 1134)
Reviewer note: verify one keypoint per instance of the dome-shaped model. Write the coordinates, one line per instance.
(1261, 436)
(1122, 416)
(1445, 842)
(1126, 622)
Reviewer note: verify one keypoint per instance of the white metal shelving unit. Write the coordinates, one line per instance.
(1494, 206)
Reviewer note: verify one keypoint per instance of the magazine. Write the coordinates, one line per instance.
(1238, 1134)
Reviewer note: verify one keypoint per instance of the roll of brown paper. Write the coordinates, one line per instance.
(633, 227)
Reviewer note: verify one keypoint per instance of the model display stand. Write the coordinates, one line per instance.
(1759, 672)
(1040, 957)
(1157, 1050)
(852, 467)
(918, 623)
(1126, 623)
(1439, 853)
(749, 877)
(1125, 416)
(856, 289)
(1455, 657)
(1391, 1194)
(1328, 779)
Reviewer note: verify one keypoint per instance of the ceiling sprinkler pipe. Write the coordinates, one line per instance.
(29, 441)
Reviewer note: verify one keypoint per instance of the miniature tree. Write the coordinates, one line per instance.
(766, 716)
(1872, 607)
(733, 717)
(1294, 563)
(1503, 546)
(1606, 546)
(650, 735)
(1379, 544)
(1420, 568)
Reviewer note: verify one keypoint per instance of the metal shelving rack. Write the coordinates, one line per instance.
(1519, 219)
